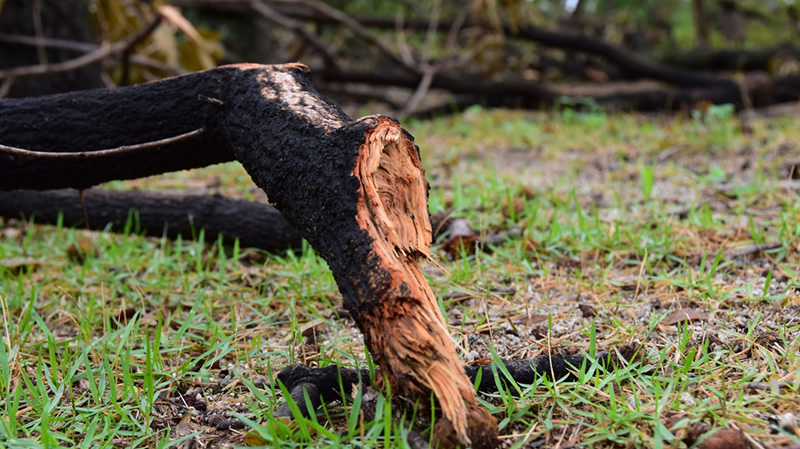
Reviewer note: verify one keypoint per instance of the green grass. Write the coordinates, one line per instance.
(635, 216)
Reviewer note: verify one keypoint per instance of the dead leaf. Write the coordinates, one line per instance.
(721, 439)
(17, 265)
(252, 438)
(587, 311)
(532, 320)
(684, 316)
(517, 204)
(458, 244)
(173, 16)
(79, 251)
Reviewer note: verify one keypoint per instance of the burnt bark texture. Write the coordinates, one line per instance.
(255, 225)
(354, 189)
(323, 385)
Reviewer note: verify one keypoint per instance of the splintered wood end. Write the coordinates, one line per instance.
(395, 190)
(406, 329)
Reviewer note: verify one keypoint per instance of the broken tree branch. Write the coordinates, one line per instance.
(336, 16)
(631, 65)
(355, 189)
(298, 28)
(101, 52)
(256, 225)
(84, 47)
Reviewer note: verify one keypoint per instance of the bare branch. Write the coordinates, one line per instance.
(5, 87)
(354, 25)
(402, 41)
(39, 29)
(422, 89)
(98, 54)
(297, 27)
(99, 153)
(85, 47)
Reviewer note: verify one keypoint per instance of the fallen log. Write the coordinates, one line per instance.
(354, 189)
(758, 59)
(516, 92)
(631, 65)
(257, 225)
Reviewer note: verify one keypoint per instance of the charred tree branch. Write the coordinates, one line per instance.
(257, 225)
(355, 189)
(325, 385)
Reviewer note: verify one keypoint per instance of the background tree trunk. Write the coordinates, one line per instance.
(700, 22)
(256, 225)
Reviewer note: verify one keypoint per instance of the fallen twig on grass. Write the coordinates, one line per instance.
(753, 249)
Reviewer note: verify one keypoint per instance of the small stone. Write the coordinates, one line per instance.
(687, 399)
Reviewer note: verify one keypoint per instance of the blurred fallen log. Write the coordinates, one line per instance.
(671, 88)
(257, 225)
(758, 59)
(470, 89)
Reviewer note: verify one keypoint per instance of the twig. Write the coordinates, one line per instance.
(671, 151)
(773, 385)
(39, 29)
(85, 47)
(402, 41)
(458, 23)
(297, 27)
(99, 153)
(753, 249)
(5, 87)
(101, 52)
(433, 23)
(422, 89)
(354, 25)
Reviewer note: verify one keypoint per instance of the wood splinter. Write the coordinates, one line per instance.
(405, 329)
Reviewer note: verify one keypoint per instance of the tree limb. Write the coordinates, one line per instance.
(324, 385)
(355, 189)
(298, 28)
(81, 61)
(84, 47)
(255, 225)
(631, 65)
(336, 16)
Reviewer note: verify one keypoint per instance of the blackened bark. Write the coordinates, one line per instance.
(110, 118)
(256, 225)
(325, 385)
